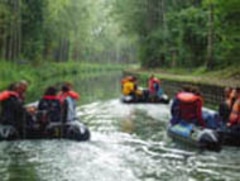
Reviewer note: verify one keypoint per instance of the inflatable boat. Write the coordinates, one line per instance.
(40, 126)
(73, 130)
(206, 139)
(230, 136)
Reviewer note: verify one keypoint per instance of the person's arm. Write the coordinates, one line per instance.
(4, 95)
(74, 95)
(234, 115)
(199, 113)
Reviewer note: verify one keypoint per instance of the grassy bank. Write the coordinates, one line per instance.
(41, 76)
(225, 77)
(12, 72)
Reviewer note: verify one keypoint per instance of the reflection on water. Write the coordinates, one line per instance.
(129, 142)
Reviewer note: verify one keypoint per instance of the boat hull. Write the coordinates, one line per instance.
(230, 136)
(157, 100)
(73, 130)
(194, 136)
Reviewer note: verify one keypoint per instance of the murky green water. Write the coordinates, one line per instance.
(129, 143)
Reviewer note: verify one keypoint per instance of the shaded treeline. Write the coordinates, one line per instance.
(62, 30)
(160, 33)
(182, 33)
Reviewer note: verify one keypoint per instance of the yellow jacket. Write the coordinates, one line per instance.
(128, 87)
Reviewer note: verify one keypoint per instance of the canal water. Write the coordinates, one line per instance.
(128, 143)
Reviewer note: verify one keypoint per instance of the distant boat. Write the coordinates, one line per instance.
(161, 98)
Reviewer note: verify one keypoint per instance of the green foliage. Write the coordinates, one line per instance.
(229, 13)
(158, 33)
(182, 32)
(32, 28)
(62, 30)
(49, 74)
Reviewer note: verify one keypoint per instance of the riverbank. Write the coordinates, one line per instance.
(211, 84)
(222, 78)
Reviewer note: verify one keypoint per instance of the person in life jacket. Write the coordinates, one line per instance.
(154, 87)
(51, 104)
(234, 118)
(12, 109)
(152, 84)
(225, 107)
(67, 91)
(188, 107)
(68, 98)
(128, 86)
(22, 88)
(175, 107)
(137, 90)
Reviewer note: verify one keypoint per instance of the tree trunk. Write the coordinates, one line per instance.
(210, 47)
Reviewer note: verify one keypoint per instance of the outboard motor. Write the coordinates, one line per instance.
(127, 99)
(164, 99)
(209, 139)
(77, 131)
(8, 132)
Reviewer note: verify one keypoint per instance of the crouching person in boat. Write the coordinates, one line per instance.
(14, 117)
(74, 129)
(226, 106)
(154, 87)
(130, 90)
(156, 93)
(49, 109)
(187, 106)
(234, 118)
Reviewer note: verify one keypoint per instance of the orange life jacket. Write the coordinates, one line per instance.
(63, 95)
(234, 117)
(128, 88)
(6, 94)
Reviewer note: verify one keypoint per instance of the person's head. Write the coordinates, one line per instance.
(134, 78)
(227, 91)
(186, 88)
(151, 76)
(233, 93)
(13, 86)
(195, 90)
(67, 86)
(131, 78)
(50, 91)
(22, 86)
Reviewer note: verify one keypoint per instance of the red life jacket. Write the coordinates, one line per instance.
(151, 83)
(63, 95)
(6, 94)
(190, 107)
